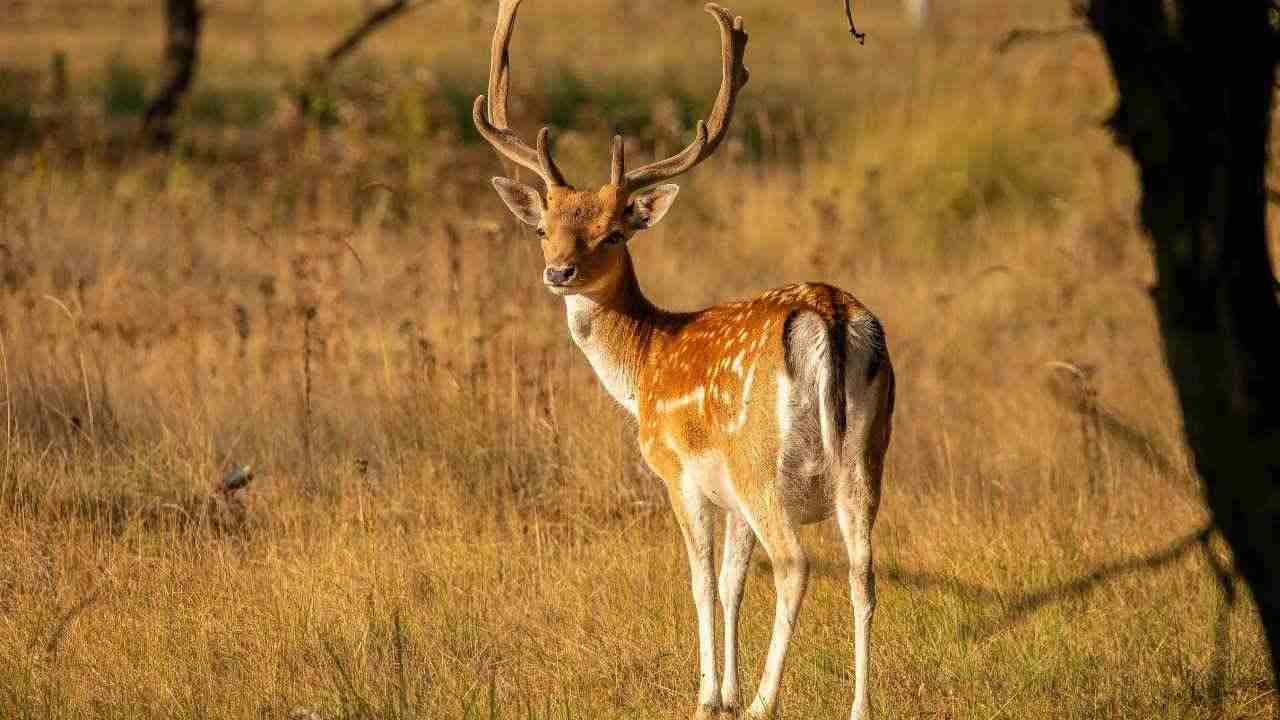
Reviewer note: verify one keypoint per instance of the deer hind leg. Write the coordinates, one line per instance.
(696, 516)
(869, 390)
(790, 579)
(739, 542)
(856, 505)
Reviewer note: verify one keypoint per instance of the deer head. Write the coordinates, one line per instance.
(584, 232)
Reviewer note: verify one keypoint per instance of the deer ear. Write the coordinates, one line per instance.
(523, 201)
(647, 207)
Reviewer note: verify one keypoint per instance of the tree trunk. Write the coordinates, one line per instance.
(1195, 80)
(182, 20)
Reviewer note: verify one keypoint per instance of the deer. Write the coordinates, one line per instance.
(772, 412)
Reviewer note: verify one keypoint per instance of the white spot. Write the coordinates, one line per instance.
(741, 419)
(697, 395)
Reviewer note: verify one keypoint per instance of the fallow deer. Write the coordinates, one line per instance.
(774, 411)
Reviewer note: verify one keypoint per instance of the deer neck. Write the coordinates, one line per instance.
(614, 327)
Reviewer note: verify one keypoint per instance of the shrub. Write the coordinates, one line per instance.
(125, 92)
(16, 124)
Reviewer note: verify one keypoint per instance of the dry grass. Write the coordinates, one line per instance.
(447, 518)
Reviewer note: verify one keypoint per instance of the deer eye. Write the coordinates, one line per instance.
(613, 238)
(541, 232)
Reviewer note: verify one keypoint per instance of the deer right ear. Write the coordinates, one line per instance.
(524, 202)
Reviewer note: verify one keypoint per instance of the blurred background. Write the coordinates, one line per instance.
(446, 515)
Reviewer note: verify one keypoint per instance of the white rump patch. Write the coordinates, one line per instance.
(810, 342)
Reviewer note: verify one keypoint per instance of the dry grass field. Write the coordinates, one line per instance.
(448, 518)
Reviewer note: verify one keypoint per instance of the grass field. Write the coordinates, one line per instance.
(448, 517)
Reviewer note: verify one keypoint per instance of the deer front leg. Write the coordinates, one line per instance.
(739, 541)
(697, 517)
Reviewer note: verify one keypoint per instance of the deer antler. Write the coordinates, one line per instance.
(492, 123)
(733, 42)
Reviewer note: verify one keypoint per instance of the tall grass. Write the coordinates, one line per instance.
(448, 517)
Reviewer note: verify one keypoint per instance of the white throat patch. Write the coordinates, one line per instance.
(581, 312)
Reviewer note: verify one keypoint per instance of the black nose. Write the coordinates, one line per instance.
(560, 275)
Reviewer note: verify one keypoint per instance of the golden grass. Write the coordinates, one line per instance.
(453, 522)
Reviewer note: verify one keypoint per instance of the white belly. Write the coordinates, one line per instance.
(708, 473)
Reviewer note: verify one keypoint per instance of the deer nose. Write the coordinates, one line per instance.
(560, 275)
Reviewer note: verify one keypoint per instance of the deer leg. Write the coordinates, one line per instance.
(790, 579)
(697, 518)
(856, 513)
(739, 542)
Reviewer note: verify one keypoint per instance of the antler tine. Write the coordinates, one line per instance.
(491, 119)
(500, 62)
(506, 142)
(733, 44)
(618, 163)
(550, 172)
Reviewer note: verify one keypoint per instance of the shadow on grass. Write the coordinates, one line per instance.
(1016, 609)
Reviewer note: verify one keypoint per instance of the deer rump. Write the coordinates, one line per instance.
(825, 422)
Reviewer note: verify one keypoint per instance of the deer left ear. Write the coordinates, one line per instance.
(647, 207)
(523, 201)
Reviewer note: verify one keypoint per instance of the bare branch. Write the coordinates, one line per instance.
(377, 17)
(848, 13)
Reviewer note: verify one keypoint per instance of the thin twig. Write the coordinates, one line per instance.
(1069, 367)
(308, 314)
(848, 13)
(261, 236)
(8, 414)
(84, 373)
(402, 685)
(371, 22)
(352, 40)
(364, 272)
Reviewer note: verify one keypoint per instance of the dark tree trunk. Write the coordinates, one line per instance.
(1195, 80)
(182, 22)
